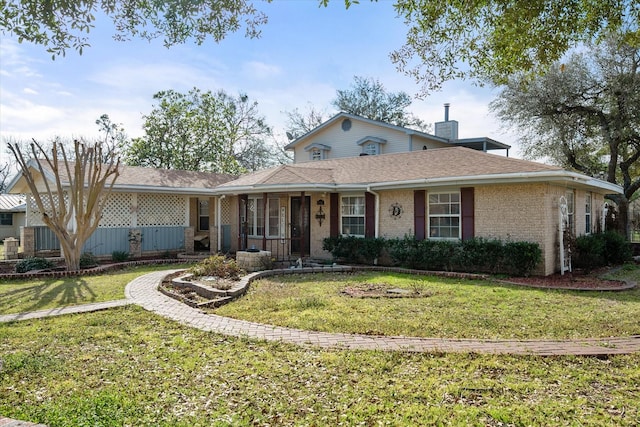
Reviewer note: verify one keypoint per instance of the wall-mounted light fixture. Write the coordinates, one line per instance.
(320, 216)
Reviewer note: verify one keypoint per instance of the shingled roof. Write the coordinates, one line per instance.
(133, 178)
(442, 166)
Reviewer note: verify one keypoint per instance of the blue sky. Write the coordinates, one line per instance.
(305, 54)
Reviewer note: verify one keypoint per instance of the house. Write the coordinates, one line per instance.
(150, 211)
(348, 135)
(358, 177)
(12, 215)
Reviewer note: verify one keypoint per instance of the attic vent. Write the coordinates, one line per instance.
(346, 125)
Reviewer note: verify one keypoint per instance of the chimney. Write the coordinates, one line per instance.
(449, 128)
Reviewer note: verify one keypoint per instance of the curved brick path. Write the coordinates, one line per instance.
(143, 291)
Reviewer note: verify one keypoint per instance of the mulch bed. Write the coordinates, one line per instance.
(577, 280)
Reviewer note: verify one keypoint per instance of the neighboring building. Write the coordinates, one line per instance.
(12, 215)
(166, 210)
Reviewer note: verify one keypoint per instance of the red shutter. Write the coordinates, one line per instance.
(369, 215)
(419, 210)
(467, 214)
(334, 214)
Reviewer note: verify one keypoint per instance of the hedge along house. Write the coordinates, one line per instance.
(149, 212)
(358, 177)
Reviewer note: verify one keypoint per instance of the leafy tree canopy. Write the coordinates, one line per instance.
(202, 131)
(368, 98)
(65, 24)
(489, 40)
(583, 114)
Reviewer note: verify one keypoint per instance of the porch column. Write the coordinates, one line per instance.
(265, 212)
(243, 200)
(302, 224)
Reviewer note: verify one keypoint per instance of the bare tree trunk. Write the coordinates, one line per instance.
(86, 182)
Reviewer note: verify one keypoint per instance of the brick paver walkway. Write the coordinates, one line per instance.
(143, 292)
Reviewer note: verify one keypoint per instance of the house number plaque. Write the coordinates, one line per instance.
(395, 210)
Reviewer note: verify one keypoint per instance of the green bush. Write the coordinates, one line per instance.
(598, 250)
(354, 250)
(119, 256)
(521, 258)
(88, 260)
(33, 263)
(218, 266)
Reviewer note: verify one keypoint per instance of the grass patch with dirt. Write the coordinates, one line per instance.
(126, 366)
(450, 308)
(17, 296)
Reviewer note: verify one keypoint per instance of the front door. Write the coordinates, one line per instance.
(300, 226)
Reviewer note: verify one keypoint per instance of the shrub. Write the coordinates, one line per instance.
(354, 249)
(88, 260)
(218, 266)
(33, 263)
(119, 256)
(599, 250)
(521, 257)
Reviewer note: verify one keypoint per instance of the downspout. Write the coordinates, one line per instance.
(377, 216)
(218, 213)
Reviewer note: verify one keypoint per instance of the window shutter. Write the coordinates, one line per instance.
(369, 215)
(419, 210)
(334, 214)
(467, 208)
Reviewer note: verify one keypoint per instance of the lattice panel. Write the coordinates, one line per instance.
(117, 211)
(225, 211)
(34, 216)
(161, 209)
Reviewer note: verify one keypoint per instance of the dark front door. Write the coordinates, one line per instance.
(300, 226)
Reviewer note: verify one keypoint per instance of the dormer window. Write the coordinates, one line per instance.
(371, 145)
(317, 151)
(371, 149)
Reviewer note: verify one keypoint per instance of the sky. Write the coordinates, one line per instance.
(304, 55)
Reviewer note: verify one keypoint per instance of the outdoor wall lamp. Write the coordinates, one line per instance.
(320, 216)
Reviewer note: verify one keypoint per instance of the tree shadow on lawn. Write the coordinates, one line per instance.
(61, 292)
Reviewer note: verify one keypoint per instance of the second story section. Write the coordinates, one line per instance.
(349, 135)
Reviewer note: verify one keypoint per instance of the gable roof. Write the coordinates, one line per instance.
(12, 203)
(455, 166)
(140, 179)
(343, 115)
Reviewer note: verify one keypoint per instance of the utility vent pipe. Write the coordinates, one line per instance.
(446, 112)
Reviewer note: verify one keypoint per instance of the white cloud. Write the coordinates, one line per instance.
(260, 70)
(29, 91)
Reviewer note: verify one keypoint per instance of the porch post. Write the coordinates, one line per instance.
(265, 205)
(302, 224)
(242, 226)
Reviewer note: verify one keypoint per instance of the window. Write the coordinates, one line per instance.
(316, 154)
(203, 214)
(587, 214)
(352, 215)
(570, 210)
(255, 217)
(6, 218)
(370, 149)
(444, 216)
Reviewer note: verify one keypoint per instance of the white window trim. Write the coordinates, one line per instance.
(376, 148)
(458, 215)
(364, 214)
(252, 228)
(588, 209)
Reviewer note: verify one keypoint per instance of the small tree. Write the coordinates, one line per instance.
(72, 206)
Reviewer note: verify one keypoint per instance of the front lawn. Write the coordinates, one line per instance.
(451, 308)
(17, 296)
(126, 366)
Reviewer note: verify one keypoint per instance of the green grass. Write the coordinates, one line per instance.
(18, 296)
(126, 366)
(453, 308)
